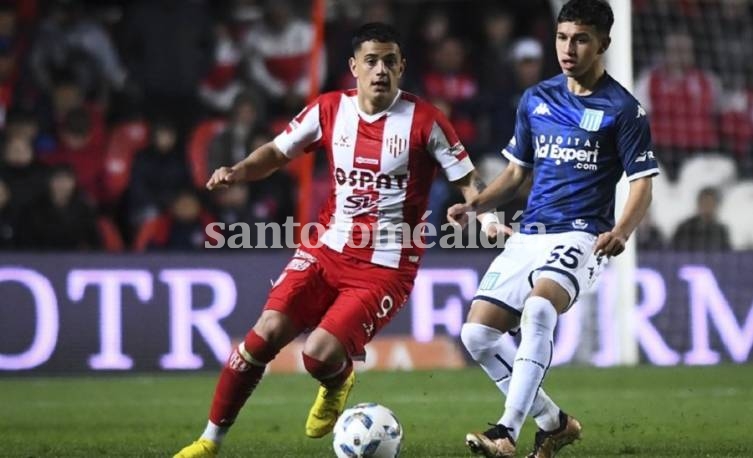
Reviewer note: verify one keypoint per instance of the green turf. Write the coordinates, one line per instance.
(644, 411)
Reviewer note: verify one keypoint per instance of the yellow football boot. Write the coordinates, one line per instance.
(329, 404)
(202, 448)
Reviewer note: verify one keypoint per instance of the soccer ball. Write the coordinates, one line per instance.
(367, 430)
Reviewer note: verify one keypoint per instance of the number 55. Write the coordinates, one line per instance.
(566, 258)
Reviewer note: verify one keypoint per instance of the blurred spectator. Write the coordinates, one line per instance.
(733, 60)
(69, 42)
(167, 45)
(158, 172)
(703, 232)
(728, 25)
(654, 18)
(647, 236)
(434, 27)
(267, 202)
(180, 228)
(501, 103)
(221, 84)
(243, 14)
(494, 70)
(24, 176)
(61, 220)
(65, 96)
(8, 79)
(683, 101)
(21, 123)
(83, 147)
(737, 128)
(234, 143)
(7, 218)
(279, 50)
(452, 87)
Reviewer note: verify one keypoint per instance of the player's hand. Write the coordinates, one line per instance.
(610, 244)
(458, 214)
(223, 177)
(498, 230)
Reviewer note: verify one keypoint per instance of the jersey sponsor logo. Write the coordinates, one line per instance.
(591, 119)
(367, 160)
(396, 145)
(363, 178)
(579, 224)
(584, 153)
(542, 109)
(644, 156)
(641, 112)
(361, 203)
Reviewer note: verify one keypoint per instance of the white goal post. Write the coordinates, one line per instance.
(619, 62)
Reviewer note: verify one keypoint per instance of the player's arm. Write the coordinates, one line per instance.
(613, 242)
(502, 190)
(635, 151)
(258, 165)
(471, 185)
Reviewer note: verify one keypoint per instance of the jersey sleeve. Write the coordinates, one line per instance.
(520, 149)
(634, 142)
(443, 144)
(302, 134)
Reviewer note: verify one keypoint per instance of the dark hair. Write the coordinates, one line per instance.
(596, 13)
(78, 121)
(375, 31)
(709, 191)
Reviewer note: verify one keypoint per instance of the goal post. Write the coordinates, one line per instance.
(619, 63)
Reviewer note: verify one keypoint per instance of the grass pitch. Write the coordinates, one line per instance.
(643, 411)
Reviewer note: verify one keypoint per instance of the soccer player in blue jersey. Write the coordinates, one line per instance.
(576, 133)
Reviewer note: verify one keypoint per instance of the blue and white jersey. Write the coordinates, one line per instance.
(578, 148)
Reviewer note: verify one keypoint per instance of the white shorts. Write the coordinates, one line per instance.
(566, 258)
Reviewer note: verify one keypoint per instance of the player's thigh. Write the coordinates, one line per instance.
(492, 315)
(499, 299)
(360, 312)
(301, 292)
(563, 267)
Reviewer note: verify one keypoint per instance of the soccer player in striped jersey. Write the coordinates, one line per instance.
(576, 134)
(383, 146)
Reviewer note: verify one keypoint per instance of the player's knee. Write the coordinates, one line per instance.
(539, 311)
(324, 346)
(275, 328)
(478, 339)
(321, 370)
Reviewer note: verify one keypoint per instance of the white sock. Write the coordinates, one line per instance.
(215, 433)
(496, 355)
(531, 361)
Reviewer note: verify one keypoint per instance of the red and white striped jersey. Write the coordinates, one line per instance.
(381, 168)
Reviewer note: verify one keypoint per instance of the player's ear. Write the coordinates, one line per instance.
(352, 66)
(605, 42)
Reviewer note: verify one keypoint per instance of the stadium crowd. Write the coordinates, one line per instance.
(113, 113)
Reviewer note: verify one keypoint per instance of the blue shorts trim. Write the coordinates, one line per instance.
(567, 274)
(498, 303)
